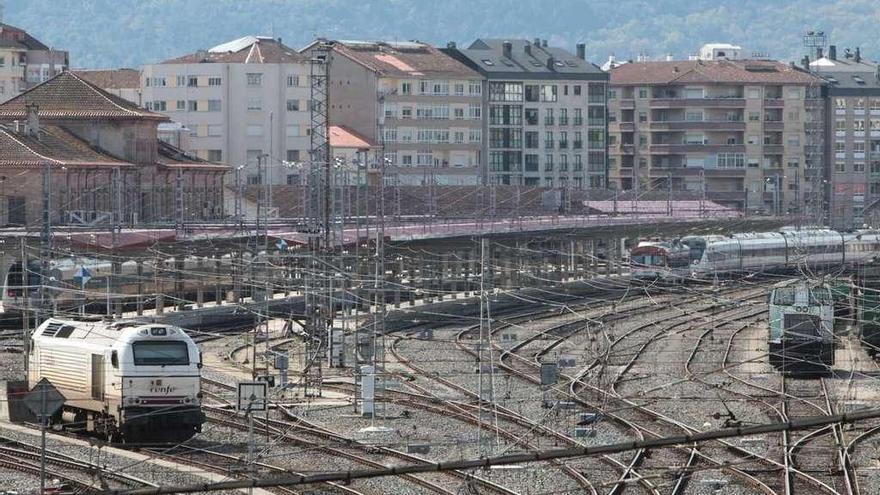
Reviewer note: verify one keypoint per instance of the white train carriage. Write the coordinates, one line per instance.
(129, 382)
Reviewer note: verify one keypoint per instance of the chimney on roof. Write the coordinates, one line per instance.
(507, 47)
(832, 52)
(669, 57)
(528, 49)
(551, 63)
(32, 127)
(858, 55)
(538, 42)
(675, 69)
(806, 62)
(582, 51)
(544, 43)
(451, 45)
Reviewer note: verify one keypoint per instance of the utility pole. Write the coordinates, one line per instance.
(45, 241)
(486, 372)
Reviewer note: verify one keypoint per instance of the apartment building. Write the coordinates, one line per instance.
(545, 113)
(241, 100)
(748, 133)
(25, 61)
(853, 137)
(423, 107)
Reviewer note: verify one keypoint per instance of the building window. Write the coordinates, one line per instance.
(406, 88)
(458, 137)
(159, 105)
(292, 80)
(254, 79)
(181, 81)
(859, 147)
(214, 105)
(459, 89)
(505, 92)
(548, 163)
(858, 166)
(215, 155)
(292, 155)
(254, 130)
(840, 103)
(548, 140)
(612, 94)
(475, 88)
(643, 93)
(577, 90)
(840, 147)
(731, 160)
(255, 104)
(548, 116)
(475, 111)
(859, 125)
(754, 116)
(457, 113)
(549, 92)
(192, 106)
(214, 81)
(531, 163)
(215, 130)
(840, 125)
(563, 163)
(793, 140)
(859, 104)
(643, 117)
(475, 135)
(293, 105)
(840, 166)
(793, 163)
(192, 81)
(181, 105)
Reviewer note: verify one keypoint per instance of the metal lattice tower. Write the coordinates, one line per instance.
(318, 287)
(815, 141)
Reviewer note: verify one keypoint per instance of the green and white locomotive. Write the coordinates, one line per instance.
(802, 329)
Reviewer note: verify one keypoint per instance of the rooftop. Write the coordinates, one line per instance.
(54, 145)
(13, 37)
(525, 59)
(172, 158)
(401, 59)
(111, 78)
(344, 137)
(245, 50)
(69, 96)
(709, 72)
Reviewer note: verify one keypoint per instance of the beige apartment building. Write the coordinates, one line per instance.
(242, 102)
(25, 62)
(422, 106)
(747, 132)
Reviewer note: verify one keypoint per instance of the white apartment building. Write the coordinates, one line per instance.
(25, 62)
(241, 100)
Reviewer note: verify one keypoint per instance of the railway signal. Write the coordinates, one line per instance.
(43, 400)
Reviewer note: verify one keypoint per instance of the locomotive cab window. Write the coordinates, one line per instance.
(160, 353)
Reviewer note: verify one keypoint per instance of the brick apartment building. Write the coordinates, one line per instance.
(747, 132)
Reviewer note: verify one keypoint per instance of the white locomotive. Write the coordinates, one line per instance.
(785, 250)
(126, 381)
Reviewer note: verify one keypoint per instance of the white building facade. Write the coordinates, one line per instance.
(244, 102)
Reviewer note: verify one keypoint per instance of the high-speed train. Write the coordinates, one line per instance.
(660, 260)
(718, 255)
(125, 381)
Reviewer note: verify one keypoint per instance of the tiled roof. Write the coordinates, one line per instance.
(13, 37)
(344, 137)
(247, 50)
(112, 78)
(55, 146)
(710, 71)
(403, 59)
(527, 60)
(68, 96)
(173, 158)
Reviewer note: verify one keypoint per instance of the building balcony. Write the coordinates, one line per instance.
(627, 126)
(694, 148)
(597, 122)
(773, 149)
(774, 102)
(705, 125)
(627, 103)
(774, 125)
(627, 149)
(698, 102)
